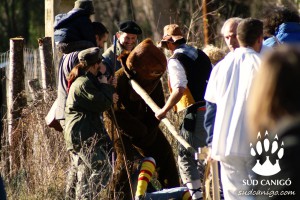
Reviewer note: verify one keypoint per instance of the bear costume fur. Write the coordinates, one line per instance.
(137, 123)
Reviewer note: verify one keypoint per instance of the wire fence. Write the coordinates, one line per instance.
(31, 64)
(31, 68)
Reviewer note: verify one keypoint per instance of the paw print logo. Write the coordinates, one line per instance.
(268, 154)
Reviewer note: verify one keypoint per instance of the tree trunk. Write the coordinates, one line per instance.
(159, 13)
(210, 21)
(25, 22)
(205, 23)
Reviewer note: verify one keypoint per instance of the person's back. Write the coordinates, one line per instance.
(234, 75)
(288, 32)
(75, 27)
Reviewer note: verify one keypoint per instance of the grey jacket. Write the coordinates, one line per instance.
(109, 57)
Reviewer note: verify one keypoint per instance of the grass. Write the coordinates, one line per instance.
(41, 159)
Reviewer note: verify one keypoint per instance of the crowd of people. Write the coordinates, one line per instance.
(227, 98)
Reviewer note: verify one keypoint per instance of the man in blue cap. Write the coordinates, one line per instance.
(127, 40)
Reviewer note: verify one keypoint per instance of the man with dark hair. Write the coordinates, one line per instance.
(188, 70)
(126, 41)
(281, 25)
(228, 88)
(101, 33)
(248, 32)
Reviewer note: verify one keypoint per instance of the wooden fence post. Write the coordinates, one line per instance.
(35, 64)
(47, 65)
(16, 99)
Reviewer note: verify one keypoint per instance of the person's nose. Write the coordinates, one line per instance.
(231, 40)
(131, 41)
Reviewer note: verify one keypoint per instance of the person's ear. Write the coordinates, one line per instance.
(261, 39)
(93, 67)
(238, 39)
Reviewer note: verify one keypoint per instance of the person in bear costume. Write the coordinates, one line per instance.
(138, 127)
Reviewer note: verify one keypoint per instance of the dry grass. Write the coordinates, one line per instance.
(41, 159)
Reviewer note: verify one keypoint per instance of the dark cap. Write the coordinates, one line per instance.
(130, 27)
(90, 56)
(86, 5)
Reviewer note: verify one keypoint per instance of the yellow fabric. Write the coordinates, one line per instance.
(141, 188)
(148, 165)
(186, 196)
(143, 174)
(146, 171)
(185, 101)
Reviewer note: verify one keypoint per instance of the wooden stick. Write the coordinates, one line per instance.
(124, 153)
(145, 96)
(215, 180)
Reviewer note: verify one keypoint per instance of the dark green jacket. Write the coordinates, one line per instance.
(87, 99)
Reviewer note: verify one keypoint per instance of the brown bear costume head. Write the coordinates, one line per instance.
(146, 63)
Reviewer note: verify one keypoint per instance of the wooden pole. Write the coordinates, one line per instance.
(215, 180)
(139, 90)
(35, 64)
(47, 67)
(16, 99)
(52, 8)
(204, 154)
(34, 87)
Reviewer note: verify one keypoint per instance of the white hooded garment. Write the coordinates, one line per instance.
(228, 87)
